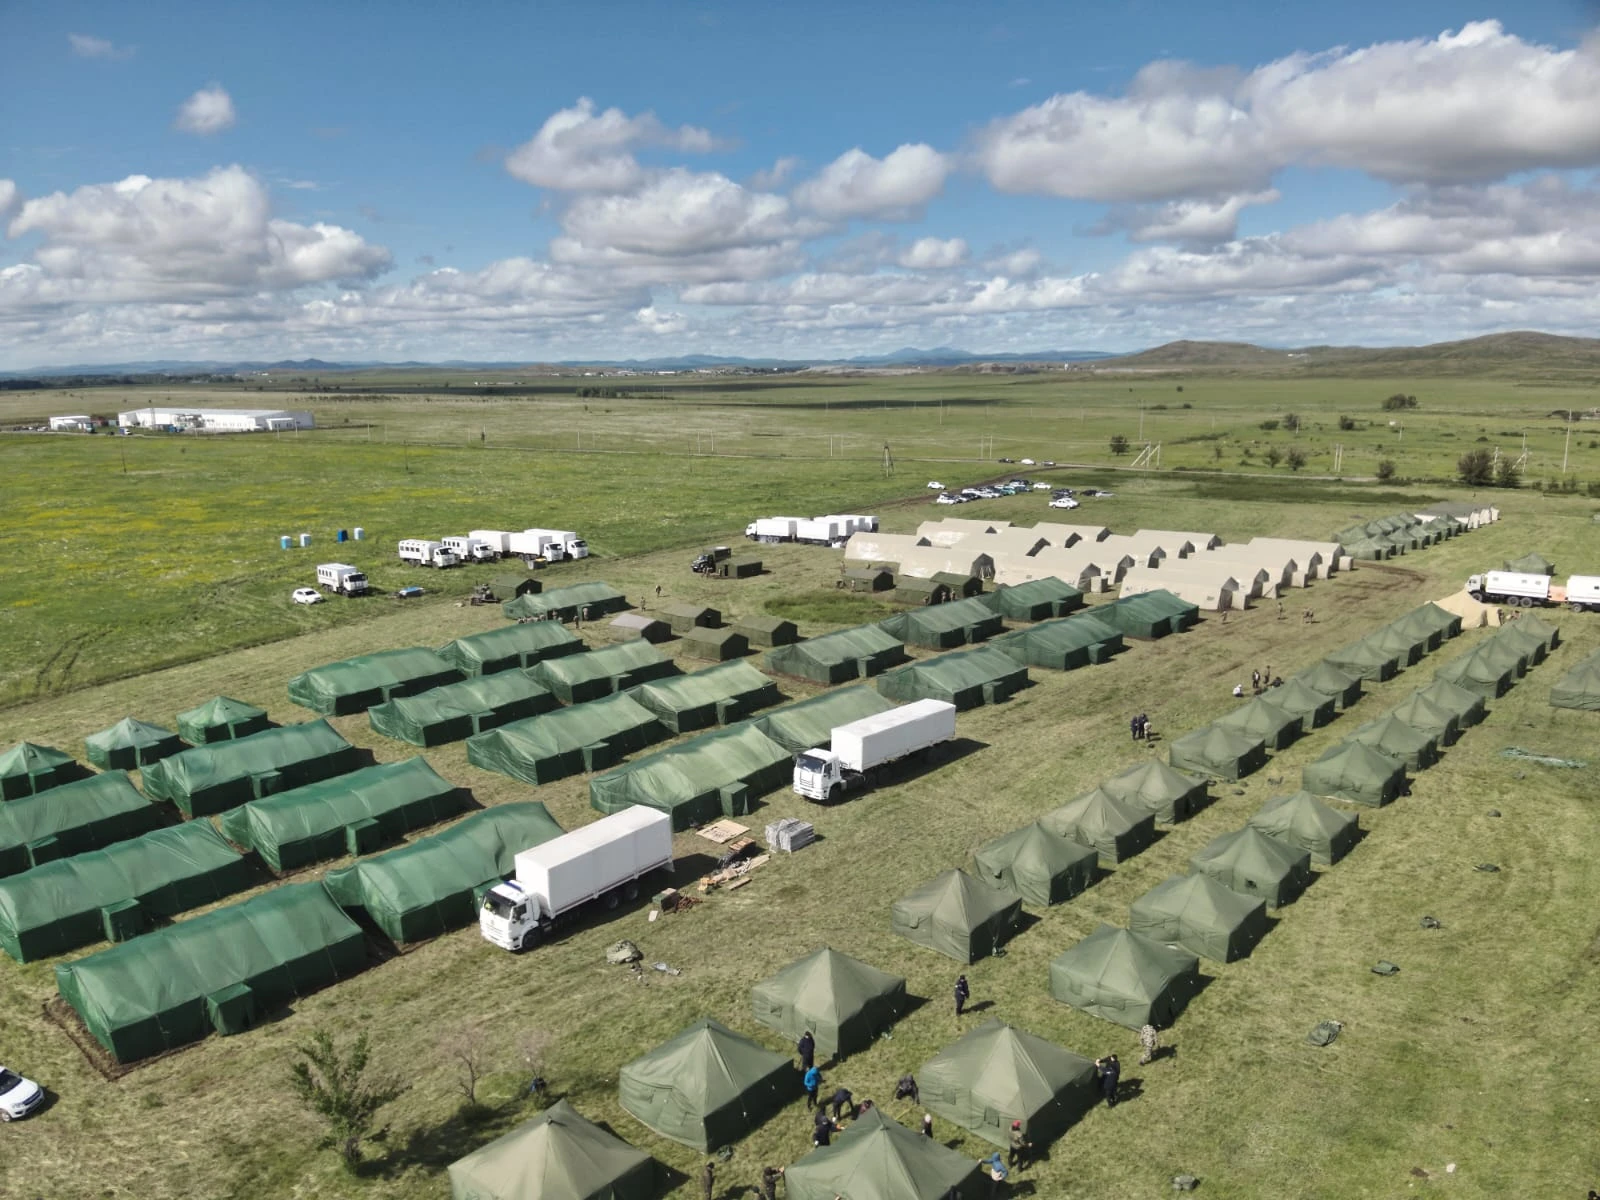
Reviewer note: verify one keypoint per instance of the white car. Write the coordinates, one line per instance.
(306, 596)
(935, 486)
(1063, 502)
(18, 1096)
(1041, 487)
(947, 498)
(1027, 462)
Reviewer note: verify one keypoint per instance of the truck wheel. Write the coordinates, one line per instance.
(612, 900)
(630, 890)
(527, 941)
(1478, 596)
(833, 794)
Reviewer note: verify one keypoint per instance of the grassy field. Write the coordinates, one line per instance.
(1471, 1055)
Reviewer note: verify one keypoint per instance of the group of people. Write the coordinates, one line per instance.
(1260, 681)
(1139, 726)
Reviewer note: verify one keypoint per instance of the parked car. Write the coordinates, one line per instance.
(947, 498)
(1027, 462)
(970, 493)
(1007, 460)
(934, 486)
(1049, 462)
(1041, 487)
(1063, 502)
(18, 1096)
(306, 596)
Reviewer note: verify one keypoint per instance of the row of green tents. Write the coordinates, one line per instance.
(1395, 534)
(569, 603)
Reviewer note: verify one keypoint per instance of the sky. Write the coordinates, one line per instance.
(536, 182)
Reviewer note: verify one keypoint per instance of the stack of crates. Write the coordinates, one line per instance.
(790, 834)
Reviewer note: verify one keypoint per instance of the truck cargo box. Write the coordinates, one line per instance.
(864, 744)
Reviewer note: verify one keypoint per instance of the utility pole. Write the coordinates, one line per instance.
(1568, 445)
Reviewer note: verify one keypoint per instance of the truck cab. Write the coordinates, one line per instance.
(509, 916)
(821, 775)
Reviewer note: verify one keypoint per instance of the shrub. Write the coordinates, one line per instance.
(1296, 458)
(1119, 444)
(1476, 467)
(1398, 401)
(1386, 470)
(1506, 474)
(1269, 426)
(1274, 456)
(1346, 424)
(1291, 422)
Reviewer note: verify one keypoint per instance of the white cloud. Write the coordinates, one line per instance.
(932, 254)
(857, 185)
(577, 149)
(208, 111)
(770, 179)
(1196, 222)
(661, 323)
(9, 197)
(85, 46)
(1016, 264)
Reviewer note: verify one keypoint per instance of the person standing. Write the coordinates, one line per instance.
(1144, 728)
(927, 1125)
(807, 1045)
(842, 1099)
(1110, 1072)
(708, 1179)
(1133, 727)
(1017, 1155)
(769, 1182)
(1149, 1044)
(1255, 681)
(963, 994)
(813, 1080)
(907, 1087)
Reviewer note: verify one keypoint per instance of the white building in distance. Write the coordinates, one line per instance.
(78, 423)
(216, 420)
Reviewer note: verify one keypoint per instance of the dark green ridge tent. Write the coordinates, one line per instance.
(1367, 549)
(1061, 645)
(1253, 864)
(1532, 563)
(1530, 622)
(941, 626)
(767, 631)
(430, 886)
(509, 585)
(1419, 627)
(1171, 795)
(220, 775)
(1150, 615)
(1507, 656)
(1579, 688)
(714, 645)
(957, 915)
(220, 971)
(1201, 915)
(579, 677)
(459, 710)
(708, 1087)
(739, 568)
(865, 579)
(113, 892)
(684, 617)
(965, 678)
(1301, 820)
(1035, 600)
(1477, 673)
(1315, 709)
(1406, 648)
(1466, 705)
(876, 1158)
(997, 1074)
(27, 769)
(1043, 868)
(1126, 978)
(349, 814)
(1438, 722)
(569, 741)
(129, 744)
(856, 653)
(962, 586)
(1343, 686)
(511, 647)
(717, 774)
(715, 696)
(579, 600)
(1418, 750)
(1356, 772)
(355, 684)
(71, 818)
(1263, 718)
(1528, 641)
(1446, 622)
(559, 1155)
(842, 1001)
(914, 589)
(221, 720)
(1365, 660)
(809, 724)
(1219, 752)
(1116, 828)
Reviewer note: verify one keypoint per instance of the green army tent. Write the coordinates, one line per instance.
(1116, 828)
(1148, 615)
(1061, 645)
(558, 1155)
(508, 585)
(459, 710)
(957, 915)
(585, 601)
(1467, 706)
(222, 970)
(221, 720)
(27, 769)
(942, 626)
(1315, 709)
(856, 653)
(965, 678)
(915, 589)
(1532, 563)
(1546, 631)
(1579, 688)
(716, 774)
(1524, 640)
(569, 741)
(1366, 548)
(1406, 648)
(511, 647)
(1303, 821)
(628, 627)
(1343, 686)
(1263, 718)
(1126, 978)
(580, 677)
(708, 1087)
(767, 631)
(430, 886)
(1418, 750)
(865, 579)
(1418, 625)
(348, 814)
(715, 696)
(356, 684)
(1219, 752)
(1201, 915)
(1364, 660)
(808, 724)
(1254, 864)
(997, 1074)
(876, 1158)
(113, 892)
(1479, 673)
(72, 818)
(1168, 793)
(843, 1002)
(1043, 868)
(1355, 772)
(714, 645)
(1438, 617)
(1035, 600)
(961, 585)
(131, 743)
(684, 617)
(219, 775)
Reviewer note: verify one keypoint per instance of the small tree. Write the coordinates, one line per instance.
(1291, 422)
(334, 1084)
(1296, 458)
(1399, 401)
(465, 1048)
(1386, 470)
(1269, 425)
(1119, 444)
(1346, 424)
(1506, 474)
(1274, 456)
(1476, 467)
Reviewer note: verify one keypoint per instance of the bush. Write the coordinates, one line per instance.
(1476, 467)
(1274, 456)
(1506, 474)
(1119, 444)
(1269, 426)
(1398, 401)
(1386, 470)
(1594, 489)
(1296, 458)
(1346, 424)
(1291, 422)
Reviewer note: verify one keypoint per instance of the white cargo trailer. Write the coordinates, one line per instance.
(341, 578)
(861, 750)
(470, 549)
(820, 531)
(499, 540)
(427, 552)
(1510, 587)
(1583, 593)
(772, 529)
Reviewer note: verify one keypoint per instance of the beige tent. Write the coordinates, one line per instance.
(880, 547)
(925, 562)
(952, 529)
(1473, 614)
(1185, 537)
(1138, 551)
(1012, 569)
(1210, 586)
(1026, 542)
(1317, 560)
(1067, 534)
(1275, 568)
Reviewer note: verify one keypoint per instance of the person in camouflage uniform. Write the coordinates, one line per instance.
(1149, 1043)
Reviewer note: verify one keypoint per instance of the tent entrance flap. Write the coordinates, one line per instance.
(123, 920)
(735, 799)
(45, 849)
(363, 837)
(232, 1009)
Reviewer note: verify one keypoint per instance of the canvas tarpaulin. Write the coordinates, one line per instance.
(512, 647)
(356, 684)
(767, 631)
(1201, 915)
(957, 915)
(1297, 697)
(965, 678)
(1118, 829)
(1303, 821)
(1579, 688)
(459, 710)
(809, 724)
(1342, 686)
(217, 776)
(1467, 706)
(1035, 600)
(27, 769)
(559, 1155)
(1262, 718)
(1170, 794)
(717, 695)
(1219, 752)
(580, 677)
(876, 1158)
(941, 626)
(221, 720)
(856, 653)
(713, 775)
(130, 744)
(578, 600)
(1043, 868)
(1149, 615)
(1355, 772)
(569, 741)
(997, 1074)
(842, 1001)
(1125, 978)
(1364, 660)
(1418, 750)
(72, 818)
(1253, 864)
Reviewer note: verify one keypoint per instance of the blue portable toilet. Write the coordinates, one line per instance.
(285, 542)
(342, 536)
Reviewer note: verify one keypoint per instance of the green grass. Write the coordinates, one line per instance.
(829, 608)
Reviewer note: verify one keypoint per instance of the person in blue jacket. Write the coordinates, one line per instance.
(813, 1080)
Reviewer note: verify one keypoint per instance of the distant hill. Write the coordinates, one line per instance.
(1204, 354)
(1523, 352)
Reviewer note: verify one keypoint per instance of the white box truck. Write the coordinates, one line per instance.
(572, 546)
(862, 750)
(1516, 588)
(498, 540)
(601, 862)
(427, 552)
(772, 529)
(470, 549)
(342, 578)
(820, 531)
(1583, 593)
(854, 522)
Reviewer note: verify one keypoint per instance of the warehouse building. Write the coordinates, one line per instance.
(215, 420)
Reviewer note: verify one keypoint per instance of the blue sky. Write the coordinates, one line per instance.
(538, 182)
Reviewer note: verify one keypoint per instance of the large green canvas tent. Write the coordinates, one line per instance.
(1579, 688)
(997, 1074)
(222, 970)
(865, 579)
(1218, 752)
(459, 710)
(27, 769)
(217, 776)
(1149, 615)
(1438, 617)
(961, 585)
(915, 589)
(1061, 645)
(965, 678)
(1043, 868)
(72, 818)
(1303, 821)
(957, 915)
(221, 720)
(876, 1158)
(510, 584)
(511, 647)
(348, 814)
(856, 653)
(844, 1003)
(569, 741)
(586, 601)
(717, 695)
(130, 744)
(1262, 718)
(114, 891)
(1355, 772)
(942, 626)
(714, 645)
(1035, 600)
(808, 724)
(1364, 660)
(1125, 978)
(1525, 641)
(1201, 915)
(708, 1087)
(580, 677)
(1478, 673)
(1315, 709)
(684, 617)
(1116, 828)
(767, 631)
(1418, 750)
(1467, 706)
(1532, 563)
(1418, 625)
(1529, 622)
(1254, 864)
(714, 775)
(558, 1155)
(355, 684)
(1406, 648)
(429, 886)
(1343, 686)
(1168, 793)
